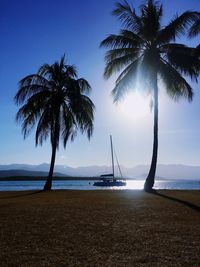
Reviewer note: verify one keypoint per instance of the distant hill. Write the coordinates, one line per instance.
(170, 171)
(10, 173)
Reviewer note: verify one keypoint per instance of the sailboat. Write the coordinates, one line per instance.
(110, 179)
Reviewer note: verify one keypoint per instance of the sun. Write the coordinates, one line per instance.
(134, 106)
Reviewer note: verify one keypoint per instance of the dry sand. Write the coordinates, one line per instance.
(100, 228)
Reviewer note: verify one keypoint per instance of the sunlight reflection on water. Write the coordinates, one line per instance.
(134, 184)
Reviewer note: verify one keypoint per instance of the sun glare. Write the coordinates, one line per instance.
(134, 106)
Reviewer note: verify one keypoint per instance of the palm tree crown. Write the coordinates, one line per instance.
(144, 47)
(56, 102)
(146, 54)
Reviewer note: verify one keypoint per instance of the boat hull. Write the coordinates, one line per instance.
(109, 183)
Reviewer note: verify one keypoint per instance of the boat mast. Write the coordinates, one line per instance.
(113, 170)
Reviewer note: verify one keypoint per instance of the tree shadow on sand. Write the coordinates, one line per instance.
(186, 203)
(23, 195)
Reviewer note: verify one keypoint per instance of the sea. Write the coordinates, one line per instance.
(88, 185)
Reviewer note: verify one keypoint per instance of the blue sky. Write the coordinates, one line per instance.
(35, 32)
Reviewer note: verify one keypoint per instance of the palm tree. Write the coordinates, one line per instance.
(146, 54)
(56, 102)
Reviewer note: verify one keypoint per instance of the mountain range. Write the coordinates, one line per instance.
(170, 171)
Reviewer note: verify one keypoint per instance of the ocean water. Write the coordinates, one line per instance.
(88, 185)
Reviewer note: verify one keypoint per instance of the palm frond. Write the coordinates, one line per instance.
(85, 115)
(28, 118)
(195, 29)
(33, 106)
(120, 52)
(69, 133)
(177, 27)
(68, 126)
(126, 14)
(151, 14)
(127, 80)
(116, 65)
(62, 63)
(122, 40)
(44, 70)
(43, 127)
(26, 91)
(175, 84)
(71, 71)
(182, 58)
(84, 86)
(31, 111)
(137, 40)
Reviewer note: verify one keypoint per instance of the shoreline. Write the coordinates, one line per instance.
(102, 190)
(84, 178)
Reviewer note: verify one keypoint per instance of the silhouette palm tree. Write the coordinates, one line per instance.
(56, 102)
(146, 54)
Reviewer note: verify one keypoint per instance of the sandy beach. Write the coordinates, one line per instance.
(100, 228)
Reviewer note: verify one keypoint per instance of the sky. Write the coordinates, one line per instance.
(34, 32)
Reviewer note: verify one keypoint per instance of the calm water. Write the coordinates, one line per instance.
(88, 185)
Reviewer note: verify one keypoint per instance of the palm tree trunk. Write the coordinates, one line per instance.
(48, 183)
(54, 143)
(149, 183)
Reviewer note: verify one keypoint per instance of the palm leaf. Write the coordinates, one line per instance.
(85, 115)
(68, 125)
(114, 41)
(26, 92)
(84, 86)
(177, 27)
(44, 70)
(121, 52)
(126, 14)
(70, 71)
(150, 18)
(43, 127)
(195, 29)
(127, 80)
(116, 65)
(175, 84)
(31, 111)
(183, 58)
